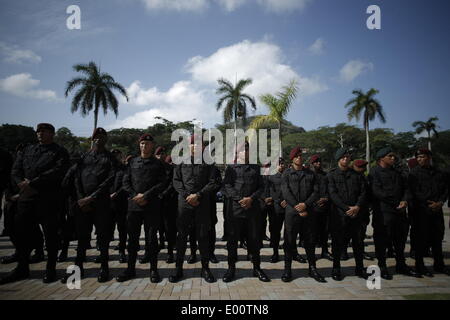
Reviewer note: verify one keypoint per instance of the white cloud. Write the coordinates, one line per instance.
(261, 61)
(196, 98)
(353, 69)
(317, 48)
(280, 6)
(23, 85)
(231, 5)
(15, 55)
(177, 5)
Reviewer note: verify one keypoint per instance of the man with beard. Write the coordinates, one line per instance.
(244, 186)
(347, 190)
(389, 202)
(322, 206)
(276, 203)
(300, 189)
(93, 177)
(144, 180)
(194, 182)
(429, 190)
(38, 172)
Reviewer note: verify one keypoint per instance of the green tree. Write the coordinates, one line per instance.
(278, 105)
(12, 135)
(65, 138)
(370, 107)
(95, 91)
(429, 126)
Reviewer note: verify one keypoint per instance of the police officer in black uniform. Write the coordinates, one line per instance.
(276, 204)
(119, 203)
(429, 190)
(245, 187)
(347, 191)
(144, 180)
(300, 189)
(38, 172)
(93, 177)
(389, 202)
(194, 183)
(322, 207)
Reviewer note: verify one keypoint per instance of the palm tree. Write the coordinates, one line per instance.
(95, 91)
(235, 102)
(427, 126)
(366, 103)
(278, 105)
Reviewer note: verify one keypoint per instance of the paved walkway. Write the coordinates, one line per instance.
(245, 287)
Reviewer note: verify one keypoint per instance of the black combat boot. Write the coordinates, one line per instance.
(258, 272)
(287, 274)
(313, 273)
(177, 276)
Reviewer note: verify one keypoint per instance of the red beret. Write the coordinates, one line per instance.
(99, 131)
(160, 150)
(146, 137)
(412, 163)
(360, 163)
(423, 151)
(168, 159)
(295, 152)
(45, 126)
(315, 158)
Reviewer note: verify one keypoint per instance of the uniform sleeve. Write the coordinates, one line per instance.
(259, 193)
(126, 183)
(17, 173)
(55, 175)
(286, 191)
(377, 189)
(159, 186)
(68, 182)
(213, 184)
(169, 189)
(362, 199)
(105, 186)
(334, 195)
(177, 182)
(314, 196)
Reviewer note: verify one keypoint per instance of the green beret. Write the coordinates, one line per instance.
(340, 153)
(383, 152)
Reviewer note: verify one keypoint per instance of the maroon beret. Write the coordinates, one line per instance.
(360, 163)
(160, 150)
(423, 151)
(295, 152)
(412, 163)
(315, 158)
(146, 137)
(45, 126)
(99, 131)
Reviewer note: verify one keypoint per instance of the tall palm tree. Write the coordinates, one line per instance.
(278, 105)
(95, 91)
(427, 126)
(370, 107)
(235, 101)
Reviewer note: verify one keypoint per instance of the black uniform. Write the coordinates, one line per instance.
(93, 177)
(194, 179)
(276, 211)
(346, 188)
(146, 176)
(119, 207)
(428, 184)
(299, 186)
(322, 213)
(44, 165)
(213, 208)
(390, 224)
(244, 180)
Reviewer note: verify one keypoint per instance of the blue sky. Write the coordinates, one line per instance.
(169, 54)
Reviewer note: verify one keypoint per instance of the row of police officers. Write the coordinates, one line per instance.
(180, 202)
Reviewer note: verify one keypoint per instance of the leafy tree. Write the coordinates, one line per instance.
(12, 135)
(429, 126)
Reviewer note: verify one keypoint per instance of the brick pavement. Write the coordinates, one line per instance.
(244, 287)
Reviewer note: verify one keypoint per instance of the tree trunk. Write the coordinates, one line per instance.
(429, 140)
(366, 126)
(281, 144)
(95, 118)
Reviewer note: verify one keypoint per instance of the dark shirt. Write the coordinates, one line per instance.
(300, 186)
(427, 184)
(195, 179)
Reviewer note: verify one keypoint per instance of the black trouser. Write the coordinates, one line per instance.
(343, 229)
(135, 219)
(390, 227)
(249, 225)
(276, 220)
(30, 215)
(102, 219)
(170, 224)
(429, 228)
(322, 229)
(306, 226)
(193, 239)
(198, 219)
(225, 213)
(119, 213)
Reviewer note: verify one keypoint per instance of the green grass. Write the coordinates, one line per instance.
(428, 296)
